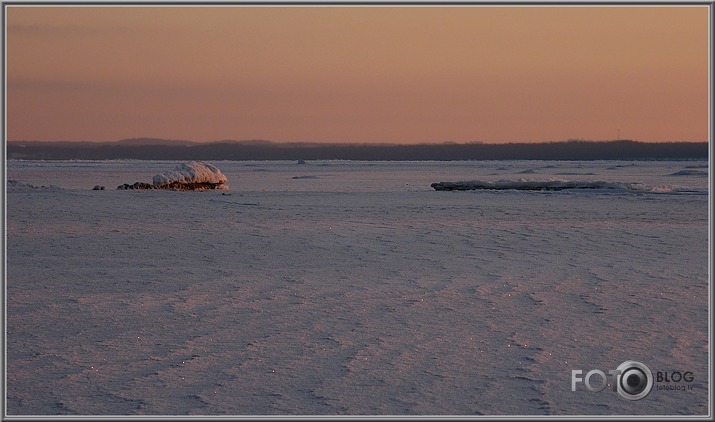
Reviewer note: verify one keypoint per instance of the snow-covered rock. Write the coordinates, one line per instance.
(191, 176)
(194, 175)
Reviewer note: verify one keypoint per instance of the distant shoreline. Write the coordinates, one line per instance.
(159, 149)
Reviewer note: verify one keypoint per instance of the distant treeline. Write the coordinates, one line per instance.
(139, 149)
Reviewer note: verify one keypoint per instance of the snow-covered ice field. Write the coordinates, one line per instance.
(338, 287)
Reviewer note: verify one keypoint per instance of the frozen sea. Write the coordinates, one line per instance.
(354, 288)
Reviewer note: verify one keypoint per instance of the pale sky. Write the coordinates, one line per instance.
(402, 74)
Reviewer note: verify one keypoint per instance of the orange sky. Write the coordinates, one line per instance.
(358, 74)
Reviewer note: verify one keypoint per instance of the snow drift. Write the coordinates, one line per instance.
(17, 186)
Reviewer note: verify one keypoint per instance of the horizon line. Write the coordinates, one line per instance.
(139, 140)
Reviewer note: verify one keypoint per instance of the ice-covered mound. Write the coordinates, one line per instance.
(517, 185)
(195, 175)
(556, 185)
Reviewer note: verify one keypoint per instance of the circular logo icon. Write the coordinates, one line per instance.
(634, 380)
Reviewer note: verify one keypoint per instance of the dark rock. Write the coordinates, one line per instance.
(135, 186)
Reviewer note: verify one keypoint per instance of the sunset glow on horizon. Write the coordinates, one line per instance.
(392, 74)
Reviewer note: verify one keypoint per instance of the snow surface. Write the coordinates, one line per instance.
(362, 291)
(195, 172)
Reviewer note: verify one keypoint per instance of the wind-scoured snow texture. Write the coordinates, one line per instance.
(191, 176)
(361, 292)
